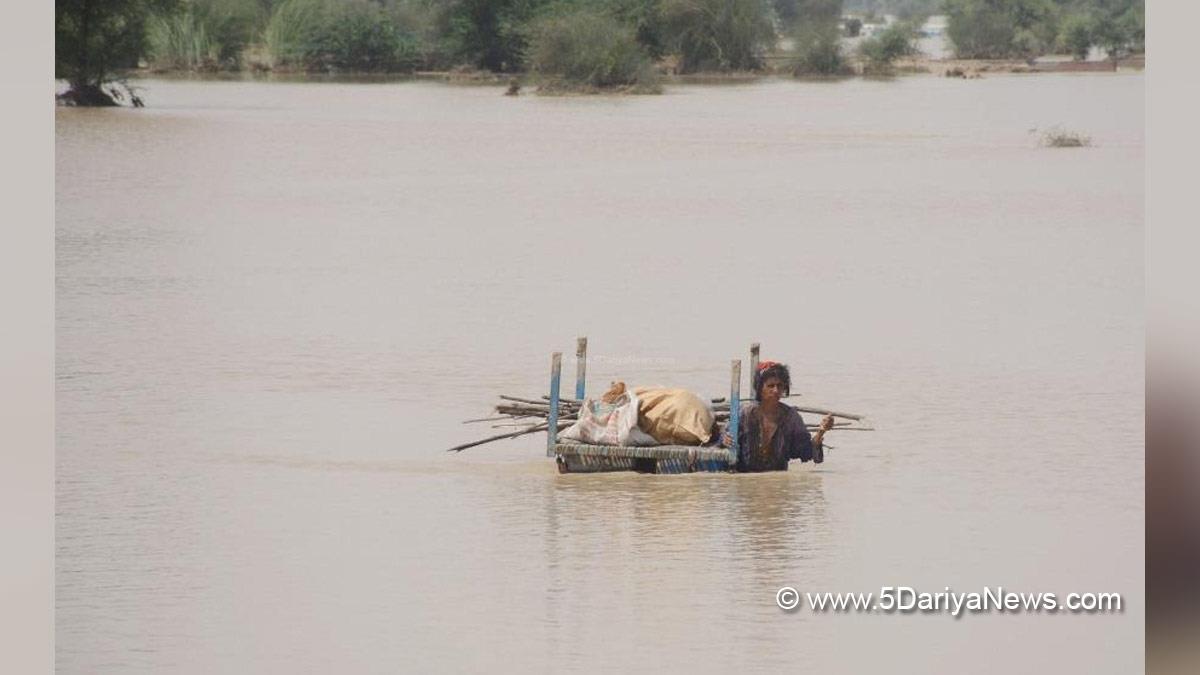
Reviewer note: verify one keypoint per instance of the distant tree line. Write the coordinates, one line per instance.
(1028, 28)
(613, 40)
(601, 42)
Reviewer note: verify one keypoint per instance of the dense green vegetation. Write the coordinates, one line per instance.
(201, 35)
(1027, 28)
(94, 40)
(881, 51)
(586, 47)
(719, 34)
(816, 36)
(356, 35)
(593, 43)
(818, 52)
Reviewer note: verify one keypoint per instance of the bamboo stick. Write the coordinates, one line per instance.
(500, 437)
(823, 411)
(494, 419)
(524, 400)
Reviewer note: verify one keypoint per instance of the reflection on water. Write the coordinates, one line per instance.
(277, 301)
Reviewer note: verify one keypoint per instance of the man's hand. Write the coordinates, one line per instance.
(726, 441)
(827, 423)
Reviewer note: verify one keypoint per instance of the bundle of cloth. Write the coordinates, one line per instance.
(643, 416)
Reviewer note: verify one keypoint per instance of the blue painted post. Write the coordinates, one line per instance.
(735, 408)
(552, 423)
(580, 367)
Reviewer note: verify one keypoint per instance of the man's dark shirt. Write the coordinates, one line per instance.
(791, 440)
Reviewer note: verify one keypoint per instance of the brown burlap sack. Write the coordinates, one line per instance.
(674, 416)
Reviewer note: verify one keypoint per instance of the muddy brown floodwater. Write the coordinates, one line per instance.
(277, 301)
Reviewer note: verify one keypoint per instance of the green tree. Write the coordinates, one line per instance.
(794, 12)
(881, 51)
(1076, 36)
(646, 18)
(590, 48)
(357, 35)
(1110, 34)
(1133, 22)
(489, 34)
(95, 41)
(819, 52)
(360, 35)
(719, 34)
(982, 29)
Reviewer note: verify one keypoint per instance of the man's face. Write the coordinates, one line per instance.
(772, 389)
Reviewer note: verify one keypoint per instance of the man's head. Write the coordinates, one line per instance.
(772, 381)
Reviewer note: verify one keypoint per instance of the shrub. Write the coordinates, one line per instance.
(489, 34)
(339, 34)
(180, 40)
(1110, 35)
(854, 27)
(418, 20)
(1076, 36)
(1057, 137)
(719, 34)
(588, 48)
(881, 51)
(1133, 22)
(201, 34)
(986, 29)
(360, 35)
(793, 13)
(646, 18)
(1028, 44)
(294, 30)
(819, 52)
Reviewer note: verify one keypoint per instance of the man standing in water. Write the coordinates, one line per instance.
(771, 433)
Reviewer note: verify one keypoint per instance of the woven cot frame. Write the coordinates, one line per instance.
(587, 458)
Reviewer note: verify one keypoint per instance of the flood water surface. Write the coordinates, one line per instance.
(277, 301)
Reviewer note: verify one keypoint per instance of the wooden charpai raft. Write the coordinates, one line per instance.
(554, 412)
(583, 458)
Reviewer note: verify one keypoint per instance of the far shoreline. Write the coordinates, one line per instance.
(947, 67)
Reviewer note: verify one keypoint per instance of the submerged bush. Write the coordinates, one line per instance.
(588, 48)
(1057, 137)
(719, 34)
(339, 34)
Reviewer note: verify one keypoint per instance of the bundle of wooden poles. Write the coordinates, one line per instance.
(529, 415)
